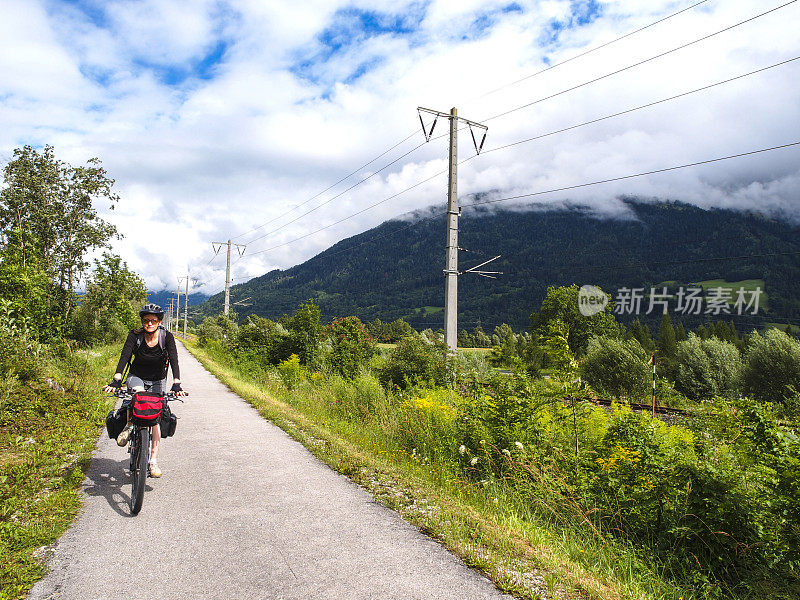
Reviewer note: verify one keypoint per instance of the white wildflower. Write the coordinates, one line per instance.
(506, 452)
(474, 461)
(519, 446)
(461, 449)
(494, 500)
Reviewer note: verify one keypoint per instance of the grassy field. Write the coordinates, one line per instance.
(482, 522)
(48, 430)
(749, 285)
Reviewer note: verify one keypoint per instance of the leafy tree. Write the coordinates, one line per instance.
(641, 333)
(53, 201)
(352, 346)
(561, 304)
(667, 348)
(221, 328)
(680, 332)
(617, 367)
(771, 371)
(416, 361)
(304, 330)
(707, 368)
(110, 306)
(26, 286)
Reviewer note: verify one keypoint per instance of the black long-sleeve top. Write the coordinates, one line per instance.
(149, 363)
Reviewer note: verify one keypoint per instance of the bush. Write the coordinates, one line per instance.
(351, 347)
(617, 367)
(771, 371)
(222, 328)
(707, 368)
(416, 361)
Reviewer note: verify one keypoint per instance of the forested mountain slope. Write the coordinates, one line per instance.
(395, 269)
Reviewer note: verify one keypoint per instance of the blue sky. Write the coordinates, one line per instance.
(221, 115)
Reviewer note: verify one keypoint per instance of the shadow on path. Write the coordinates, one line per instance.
(107, 478)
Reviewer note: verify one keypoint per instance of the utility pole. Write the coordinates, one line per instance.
(178, 305)
(186, 306)
(240, 248)
(453, 211)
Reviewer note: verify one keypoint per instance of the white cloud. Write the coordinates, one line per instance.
(304, 93)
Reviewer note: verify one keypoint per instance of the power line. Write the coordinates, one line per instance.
(337, 195)
(641, 62)
(627, 111)
(623, 177)
(330, 187)
(630, 110)
(582, 54)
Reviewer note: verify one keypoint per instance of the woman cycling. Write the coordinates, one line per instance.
(153, 349)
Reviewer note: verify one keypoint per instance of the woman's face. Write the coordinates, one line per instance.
(150, 323)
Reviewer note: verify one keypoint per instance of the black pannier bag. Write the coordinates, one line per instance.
(169, 421)
(115, 421)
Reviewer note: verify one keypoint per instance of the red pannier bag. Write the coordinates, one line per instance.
(146, 408)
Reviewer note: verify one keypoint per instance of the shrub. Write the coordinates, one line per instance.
(415, 360)
(617, 367)
(771, 371)
(291, 371)
(707, 368)
(351, 348)
(222, 328)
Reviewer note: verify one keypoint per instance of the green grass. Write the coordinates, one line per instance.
(749, 285)
(47, 436)
(486, 523)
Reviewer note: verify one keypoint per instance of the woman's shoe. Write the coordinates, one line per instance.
(154, 470)
(125, 435)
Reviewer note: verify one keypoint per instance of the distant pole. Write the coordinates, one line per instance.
(451, 270)
(178, 305)
(240, 248)
(186, 306)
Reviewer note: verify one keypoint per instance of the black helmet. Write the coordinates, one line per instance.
(151, 309)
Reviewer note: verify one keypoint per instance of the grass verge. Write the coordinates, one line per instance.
(485, 524)
(48, 431)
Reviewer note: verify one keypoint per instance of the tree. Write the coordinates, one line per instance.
(54, 202)
(771, 371)
(26, 286)
(617, 367)
(352, 346)
(561, 304)
(707, 368)
(304, 330)
(667, 348)
(109, 309)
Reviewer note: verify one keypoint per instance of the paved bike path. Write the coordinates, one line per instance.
(242, 511)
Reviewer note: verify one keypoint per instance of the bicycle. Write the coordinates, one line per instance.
(139, 449)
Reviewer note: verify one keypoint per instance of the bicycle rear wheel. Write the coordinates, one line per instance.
(139, 473)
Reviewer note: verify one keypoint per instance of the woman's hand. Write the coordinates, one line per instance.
(114, 386)
(178, 390)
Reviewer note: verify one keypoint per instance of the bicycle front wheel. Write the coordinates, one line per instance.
(139, 473)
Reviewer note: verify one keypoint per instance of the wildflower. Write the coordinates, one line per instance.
(506, 452)
(474, 461)
(494, 500)
(461, 449)
(519, 446)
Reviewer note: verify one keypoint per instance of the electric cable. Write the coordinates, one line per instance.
(337, 195)
(330, 187)
(641, 62)
(582, 54)
(623, 177)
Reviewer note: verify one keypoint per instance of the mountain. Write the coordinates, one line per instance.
(163, 297)
(395, 269)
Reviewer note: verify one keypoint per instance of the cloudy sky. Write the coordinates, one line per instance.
(216, 117)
